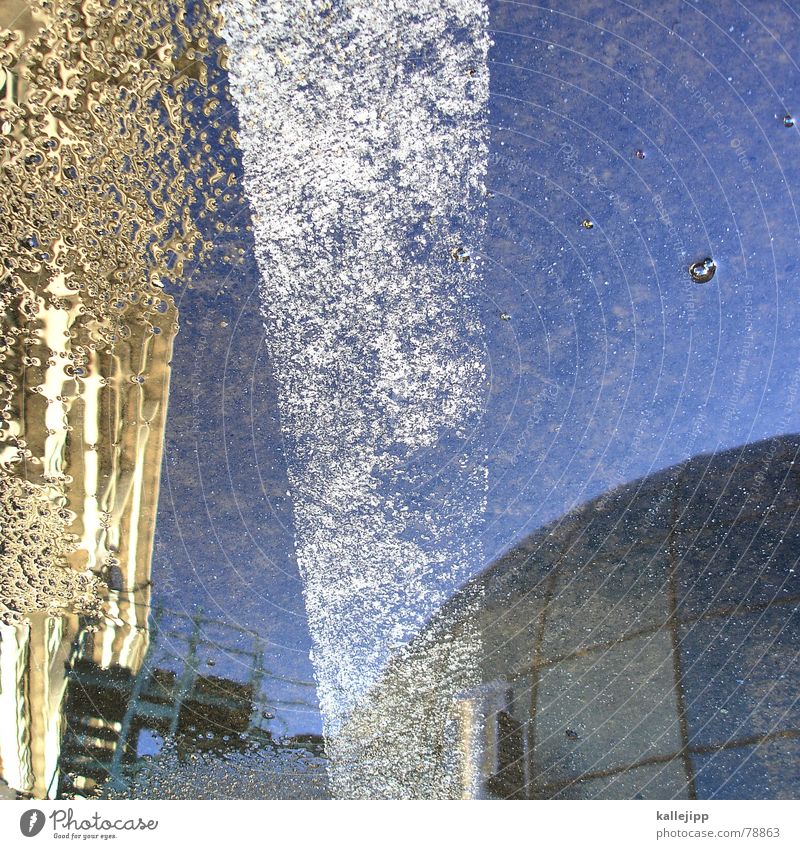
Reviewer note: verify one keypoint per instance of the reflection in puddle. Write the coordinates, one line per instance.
(172, 727)
(108, 179)
(76, 721)
(640, 647)
(112, 168)
(369, 257)
(100, 212)
(643, 645)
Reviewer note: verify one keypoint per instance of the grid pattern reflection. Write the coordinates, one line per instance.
(644, 646)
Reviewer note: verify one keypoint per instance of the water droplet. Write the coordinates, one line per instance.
(788, 121)
(587, 224)
(703, 270)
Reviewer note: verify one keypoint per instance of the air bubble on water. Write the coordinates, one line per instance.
(703, 270)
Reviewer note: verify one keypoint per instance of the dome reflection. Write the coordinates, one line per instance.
(643, 646)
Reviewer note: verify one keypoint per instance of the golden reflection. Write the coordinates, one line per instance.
(98, 208)
(34, 660)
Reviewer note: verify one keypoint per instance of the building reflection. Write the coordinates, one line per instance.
(87, 429)
(84, 392)
(643, 646)
(106, 183)
(34, 662)
(116, 713)
(82, 698)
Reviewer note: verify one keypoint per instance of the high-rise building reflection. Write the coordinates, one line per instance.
(96, 212)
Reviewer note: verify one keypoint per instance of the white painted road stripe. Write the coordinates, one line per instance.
(364, 137)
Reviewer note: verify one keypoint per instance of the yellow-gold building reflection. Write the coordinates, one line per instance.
(91, 435)
(100, 203)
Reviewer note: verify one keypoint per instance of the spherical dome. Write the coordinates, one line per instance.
(642, 646)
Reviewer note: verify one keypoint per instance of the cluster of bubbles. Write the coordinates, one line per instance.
(237, 767)
(34, 545)
(98, 193)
